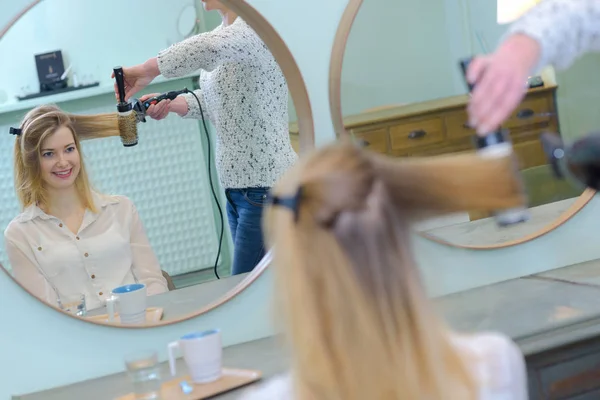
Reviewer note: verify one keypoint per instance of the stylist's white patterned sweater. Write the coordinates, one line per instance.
(565, 30)
(245, 95)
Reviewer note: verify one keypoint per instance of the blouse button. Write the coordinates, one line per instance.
(77, 238)
(100, 293)
(39, 249)
(93, 276)
(86, 254)
(60, 225)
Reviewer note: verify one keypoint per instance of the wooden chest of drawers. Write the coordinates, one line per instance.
(440, 126)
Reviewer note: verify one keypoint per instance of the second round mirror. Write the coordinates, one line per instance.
(403, 94)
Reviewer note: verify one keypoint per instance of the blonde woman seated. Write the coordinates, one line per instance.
(70, 239)
(358, 320)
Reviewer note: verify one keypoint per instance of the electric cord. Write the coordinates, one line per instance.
(212, 187)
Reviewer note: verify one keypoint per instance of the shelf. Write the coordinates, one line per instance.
(74, 95)
(57, 91)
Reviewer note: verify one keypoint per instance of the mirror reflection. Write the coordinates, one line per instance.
(137, 198)
(403, 94)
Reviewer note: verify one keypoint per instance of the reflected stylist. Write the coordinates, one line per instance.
(244, 94)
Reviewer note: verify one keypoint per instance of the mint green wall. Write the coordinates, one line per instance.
(94, 37)
(398, 52)
(10, 9)
(35, 340)
(212, 19)
(579, 97)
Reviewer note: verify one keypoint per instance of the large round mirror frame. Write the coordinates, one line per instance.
(335, 105)
(299, 95)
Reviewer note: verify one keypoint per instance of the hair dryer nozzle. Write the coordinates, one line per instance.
(580, 160)
(139, 110)
(555, 152)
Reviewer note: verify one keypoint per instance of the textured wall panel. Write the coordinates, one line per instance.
(166, 177)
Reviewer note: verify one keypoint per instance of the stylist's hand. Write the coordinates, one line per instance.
(500, 81)
(138, 77)
(159, 110)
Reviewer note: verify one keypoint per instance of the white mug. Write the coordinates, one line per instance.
(132, 304)
(202, 353)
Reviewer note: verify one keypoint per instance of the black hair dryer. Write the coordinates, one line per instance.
(578, 162)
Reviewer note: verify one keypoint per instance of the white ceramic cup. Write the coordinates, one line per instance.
(131, 300)
(202, 353)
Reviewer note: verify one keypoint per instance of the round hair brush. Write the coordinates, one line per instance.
(128, 128)
(127, 117)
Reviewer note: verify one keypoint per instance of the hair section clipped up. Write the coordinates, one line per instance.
(359, 321)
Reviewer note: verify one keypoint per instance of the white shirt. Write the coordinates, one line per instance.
(109, 250)
(244, 93)
(498, 368)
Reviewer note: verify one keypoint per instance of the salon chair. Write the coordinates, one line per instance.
(170, 284)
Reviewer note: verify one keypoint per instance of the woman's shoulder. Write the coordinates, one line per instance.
(491, 348)
(117, 205)
(243, 29)
(495, 358)
(18, 224)
(13, 227)
(483, 341)
(119, 200)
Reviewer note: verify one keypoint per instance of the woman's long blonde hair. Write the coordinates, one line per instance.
(359, 321)
(37, 125)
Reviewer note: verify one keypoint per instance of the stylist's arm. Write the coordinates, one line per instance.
(554, 32)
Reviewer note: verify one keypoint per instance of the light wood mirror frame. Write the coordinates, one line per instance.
(335, 105)
(299, 95)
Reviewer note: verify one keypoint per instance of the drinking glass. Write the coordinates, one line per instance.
(73, 303)
(144, 372)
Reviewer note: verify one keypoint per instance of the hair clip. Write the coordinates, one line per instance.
(291, 202)
(15, 131)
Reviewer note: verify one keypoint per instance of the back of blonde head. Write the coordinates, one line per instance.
(37, 125)
(359, 321)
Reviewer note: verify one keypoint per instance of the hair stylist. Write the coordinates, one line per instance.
(245, 95)
(554, 32)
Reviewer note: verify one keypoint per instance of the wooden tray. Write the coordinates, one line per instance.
(153, 315)
(231, 379)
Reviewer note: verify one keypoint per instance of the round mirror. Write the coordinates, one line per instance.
(398, 89)
(188, 21)
(99, 229)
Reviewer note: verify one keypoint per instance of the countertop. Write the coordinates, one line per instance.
(539, 312)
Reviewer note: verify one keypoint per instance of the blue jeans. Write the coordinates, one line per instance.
(244, 211)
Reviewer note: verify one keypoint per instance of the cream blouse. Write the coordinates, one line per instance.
(109, 250)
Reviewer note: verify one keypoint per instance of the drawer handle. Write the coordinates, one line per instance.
(363, 143)
(525, 113)
(417, 134)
